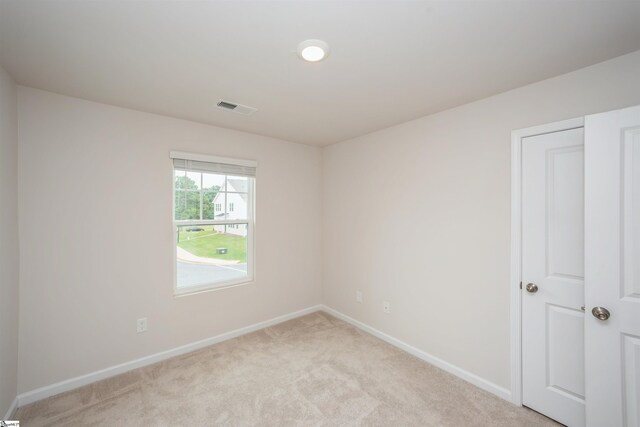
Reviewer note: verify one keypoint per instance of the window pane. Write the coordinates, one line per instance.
(237, 205)
(208, 206)
(187, 180)
(211, 181)
(237, 184)
(187, 205)
(195, 179)
(179, 177)
(211, 254)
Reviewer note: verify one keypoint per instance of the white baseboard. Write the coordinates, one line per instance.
(73, 383)
(11, 410)
(60, 387)
(452, 369)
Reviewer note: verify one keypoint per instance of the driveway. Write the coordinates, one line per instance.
(199, 274)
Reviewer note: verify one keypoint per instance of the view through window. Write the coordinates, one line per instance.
(213, 219)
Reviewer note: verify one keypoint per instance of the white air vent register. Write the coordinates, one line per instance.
(236, 108)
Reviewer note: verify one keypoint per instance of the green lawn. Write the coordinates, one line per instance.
(204, 244)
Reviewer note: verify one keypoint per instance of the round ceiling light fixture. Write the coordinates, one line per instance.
(313, 50)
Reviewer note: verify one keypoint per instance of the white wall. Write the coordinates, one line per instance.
(440, 252)
(9, 251)
(96, 235)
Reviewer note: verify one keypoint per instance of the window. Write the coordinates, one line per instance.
(213, 221)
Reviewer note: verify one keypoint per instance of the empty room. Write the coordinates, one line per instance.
(320, 213)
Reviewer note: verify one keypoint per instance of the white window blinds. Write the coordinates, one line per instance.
(218, 165)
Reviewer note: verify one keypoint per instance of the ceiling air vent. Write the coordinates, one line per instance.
(236, 108)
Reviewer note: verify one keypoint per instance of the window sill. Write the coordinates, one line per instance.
(209, 288)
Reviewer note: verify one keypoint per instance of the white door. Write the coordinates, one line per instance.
(612, 254)
(553, 275)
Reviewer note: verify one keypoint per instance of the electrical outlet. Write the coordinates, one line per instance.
(386, 307)
(141, 325)
(358, 296)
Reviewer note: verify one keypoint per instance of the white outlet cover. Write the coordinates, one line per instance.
(141, 325)
(359, 296)
(386, 307)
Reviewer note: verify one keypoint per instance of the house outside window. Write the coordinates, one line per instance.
(213, 221)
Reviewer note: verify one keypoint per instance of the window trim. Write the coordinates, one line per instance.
(249, 221)
(212, 159)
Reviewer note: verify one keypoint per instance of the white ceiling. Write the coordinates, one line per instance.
(390, 61)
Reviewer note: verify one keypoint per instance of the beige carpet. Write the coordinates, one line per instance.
(315, 370)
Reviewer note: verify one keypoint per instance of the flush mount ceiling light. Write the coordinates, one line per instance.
(313, 50)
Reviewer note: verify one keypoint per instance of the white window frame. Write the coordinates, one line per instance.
(250, 222)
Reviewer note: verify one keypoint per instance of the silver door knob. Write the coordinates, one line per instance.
(531, 288)
(600, 313)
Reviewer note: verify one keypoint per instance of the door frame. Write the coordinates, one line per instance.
(516, 244)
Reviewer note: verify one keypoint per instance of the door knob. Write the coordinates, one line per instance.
(600, 313)
(532, 288)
